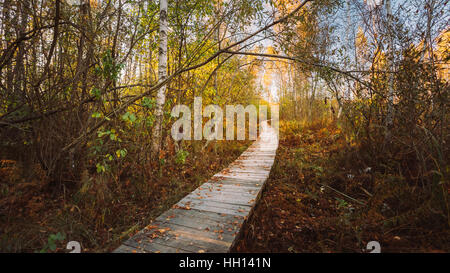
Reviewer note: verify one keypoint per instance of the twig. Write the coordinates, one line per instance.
(343, 194)
(366, 192)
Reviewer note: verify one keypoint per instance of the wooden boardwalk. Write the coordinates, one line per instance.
(209, 219)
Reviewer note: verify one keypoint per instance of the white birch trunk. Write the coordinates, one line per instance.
(347, 46)
(162, 75)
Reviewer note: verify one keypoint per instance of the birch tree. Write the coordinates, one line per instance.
(162, 75)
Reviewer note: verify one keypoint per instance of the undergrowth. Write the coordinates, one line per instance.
(100, 210)
(324, 194)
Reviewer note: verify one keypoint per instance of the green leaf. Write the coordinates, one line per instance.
(100, 168)
(132, 118)
(59, 236)
(121, 153)
(96, 115)
(126, 116)
(148, 103)
(129, 117)
(96, 92)
(52, 246)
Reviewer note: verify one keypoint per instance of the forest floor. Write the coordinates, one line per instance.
(101, 212)
(318, 199)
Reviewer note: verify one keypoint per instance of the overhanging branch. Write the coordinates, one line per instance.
(296, 59)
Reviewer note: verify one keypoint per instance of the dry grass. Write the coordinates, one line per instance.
(100, 211)
(323, 197)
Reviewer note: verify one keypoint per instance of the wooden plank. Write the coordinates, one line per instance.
(217, 206)
(128, 249)
(221, 189)
(176, 238)
(194, 213)
(235, 181)
(134, 245)
(238, 188)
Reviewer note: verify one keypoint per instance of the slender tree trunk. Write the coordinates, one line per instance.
(312, 98)
(390, 63)
(348, 44)
(162, 75)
